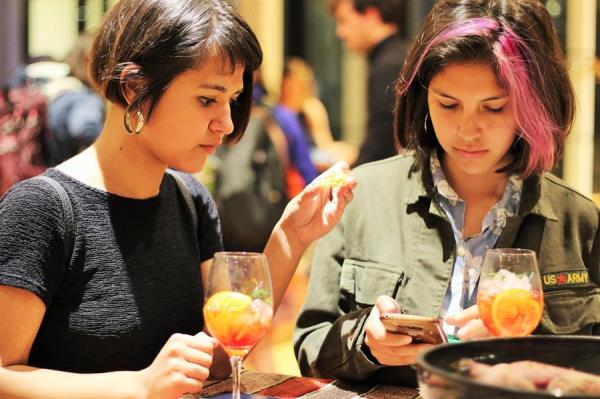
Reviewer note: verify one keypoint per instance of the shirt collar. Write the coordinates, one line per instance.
(440, 183)
(508, 203)
(534, 195)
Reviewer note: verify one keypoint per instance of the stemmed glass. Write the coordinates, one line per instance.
(239, 305)
(509, 297)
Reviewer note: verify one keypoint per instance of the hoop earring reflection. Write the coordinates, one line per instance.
(141, 120)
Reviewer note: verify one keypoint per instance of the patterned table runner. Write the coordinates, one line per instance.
(257, 385)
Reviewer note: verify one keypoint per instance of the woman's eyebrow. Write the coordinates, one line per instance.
(442, 94)
(217, 87)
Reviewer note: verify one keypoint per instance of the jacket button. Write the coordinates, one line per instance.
(461, 251)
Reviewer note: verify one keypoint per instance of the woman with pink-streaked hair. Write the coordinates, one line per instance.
(484, 103)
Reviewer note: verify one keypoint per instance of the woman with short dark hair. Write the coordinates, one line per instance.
(108, 304)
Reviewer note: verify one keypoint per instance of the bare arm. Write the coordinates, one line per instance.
(22, 314)
(283, 251)
(309, 216)
(180, 367)
(28, 382)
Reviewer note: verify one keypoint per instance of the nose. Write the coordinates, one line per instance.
(469, 129)
(222, 123)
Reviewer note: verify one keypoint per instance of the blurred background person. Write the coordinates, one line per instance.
(248, 180)
(76, 111)
(287, 113)
(324, 149)
(374, 28)
(305, 121)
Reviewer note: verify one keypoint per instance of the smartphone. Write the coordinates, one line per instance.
(422, 329)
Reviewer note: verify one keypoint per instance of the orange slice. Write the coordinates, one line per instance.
(225, 315)
(335, 179)
(237, 321)
(515, 313)
(228, 301)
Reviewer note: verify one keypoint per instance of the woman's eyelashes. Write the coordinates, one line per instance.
(451, 106)
(495, 110)
(208, 101)
(448, 106)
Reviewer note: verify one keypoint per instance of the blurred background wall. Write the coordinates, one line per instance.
(30, 29)
(33, 29)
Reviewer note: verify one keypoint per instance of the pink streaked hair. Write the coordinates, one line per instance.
(535, 126)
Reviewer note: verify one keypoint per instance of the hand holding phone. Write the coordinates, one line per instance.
(422, 329)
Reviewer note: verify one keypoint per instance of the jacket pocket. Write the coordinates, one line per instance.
(361, 282)
(573, 311)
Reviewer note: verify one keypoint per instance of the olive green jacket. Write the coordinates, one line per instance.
(394, 240)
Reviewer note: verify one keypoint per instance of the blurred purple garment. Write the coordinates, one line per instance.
(297, 142)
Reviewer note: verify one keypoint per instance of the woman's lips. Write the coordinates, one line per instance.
(209, 148)
(470, 153)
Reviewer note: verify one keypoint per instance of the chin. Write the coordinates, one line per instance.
(473, 168)
(478, 171)
(192, 166)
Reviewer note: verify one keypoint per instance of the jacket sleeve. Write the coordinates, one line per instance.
(329, 332)
(591, 257)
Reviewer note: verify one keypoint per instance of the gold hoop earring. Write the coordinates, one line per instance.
(425, 123)
(141, 120)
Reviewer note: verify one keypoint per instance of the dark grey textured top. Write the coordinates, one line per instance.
(133, 279)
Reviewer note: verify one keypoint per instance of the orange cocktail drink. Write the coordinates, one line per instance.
(509, 297)
(515, 312)
(237, 321)
(239, 305)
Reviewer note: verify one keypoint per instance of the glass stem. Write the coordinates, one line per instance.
(236, 370)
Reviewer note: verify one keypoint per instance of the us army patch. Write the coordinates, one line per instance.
(570, 278)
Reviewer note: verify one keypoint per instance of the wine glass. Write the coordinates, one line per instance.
(239, 305)
(509, 297)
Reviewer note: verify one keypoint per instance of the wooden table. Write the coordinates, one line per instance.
(285, 386)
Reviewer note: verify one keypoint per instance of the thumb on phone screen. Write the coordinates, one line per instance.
(387, 304)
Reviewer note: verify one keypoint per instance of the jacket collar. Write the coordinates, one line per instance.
(415, 189)
(534, 197)
(415, 192)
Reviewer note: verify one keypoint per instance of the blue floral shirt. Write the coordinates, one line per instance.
(470, 251)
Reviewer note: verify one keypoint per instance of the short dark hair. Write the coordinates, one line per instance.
(518, 39)
(166, 38)
(391, 11)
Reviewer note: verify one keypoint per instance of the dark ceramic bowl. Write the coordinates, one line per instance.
(439, 378)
